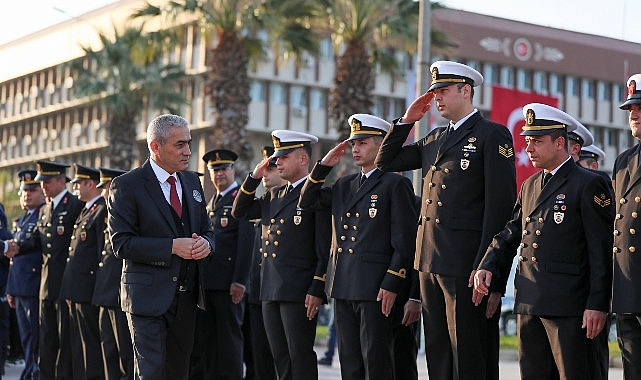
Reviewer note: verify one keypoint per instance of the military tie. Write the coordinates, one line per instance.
(173, 197)
(546, 178)
(362, 180)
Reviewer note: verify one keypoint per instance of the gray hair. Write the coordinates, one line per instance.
(159, 128)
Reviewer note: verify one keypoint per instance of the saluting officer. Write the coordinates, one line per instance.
(563, 224)
(24, 272)
(626, 294)
(295, 254)
(372, 249)
(55, 228)
(218, 345)
(115, 339)
(469, 187)
(79, 279)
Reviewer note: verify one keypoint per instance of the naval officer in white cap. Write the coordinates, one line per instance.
(295, 252)
(626, 294)
(469, 187)
(562, 222)
(591, 156)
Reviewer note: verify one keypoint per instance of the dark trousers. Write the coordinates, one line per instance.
(115, 344)
(218, 345)
(456, 345)
(364, 340)
(85, 341)
(629, 338)
(291, 339)
(27, 318)
(553, 348)
(55, 345)
(405, 345)
(600, 361)
(162, 344)
(262, 358)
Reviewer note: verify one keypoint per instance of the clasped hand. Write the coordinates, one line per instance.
(193, 248)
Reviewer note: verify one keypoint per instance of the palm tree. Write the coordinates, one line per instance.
(369, 32)
(233, 29)
(127, 74)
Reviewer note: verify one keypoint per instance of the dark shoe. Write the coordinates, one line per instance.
(325, 361)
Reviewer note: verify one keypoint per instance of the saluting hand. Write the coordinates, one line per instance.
(260, 168)
(334, 156)
(418, 108)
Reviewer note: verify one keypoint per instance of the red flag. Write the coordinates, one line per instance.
(507, 109)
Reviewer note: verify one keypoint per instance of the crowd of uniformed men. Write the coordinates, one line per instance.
(135, 276)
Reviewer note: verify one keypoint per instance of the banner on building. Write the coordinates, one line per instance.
(507, 109)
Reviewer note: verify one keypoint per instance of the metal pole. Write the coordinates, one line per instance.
(422, 74)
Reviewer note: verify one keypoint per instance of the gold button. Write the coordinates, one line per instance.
(48, 224)
(358, 215)
(275, 244)
(343, 237)
(446, 170)
(437, 220)
(340, 250)
(353, 238)
(70, 249)
(535, 245)
(348, 214)
(265, 254)
(48, 245)
(634, 215)
(433, 168)
(431, 184)
(534, 259)
(443, 187)
(522, 245)
(75, 226)
(68, 259)
(429, 201)
(272, 221)
(260, 250)
(525, 232)
(278, 232)
(527, 219)
(632, 249)
(622, 200)
(282, 221)
(426, 218)
(616, 232)
(350, 250)
(48, 234)
(267, 242)
(273, 255)
(48, 255)
(540, 220)
(73, 237)
(615, 250)
(521, 258)
(345, 227)
(354, 228)
(101, 265)
(439, 203)
(637, 199)
(632, 231)
(538, 232)
(269, 232)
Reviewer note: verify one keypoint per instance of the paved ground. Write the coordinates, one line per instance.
(509, 368)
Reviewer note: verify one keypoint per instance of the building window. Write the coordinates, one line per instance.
(325, 49)
(618, 93)
(276, 93)
(603, 91)
(523, 80)
(507, 77)
(540, 82)
(489, 74)
(317, 98)
(297, 96)
(257, 91)
(556, 84)
(572, 86)
(587, 89)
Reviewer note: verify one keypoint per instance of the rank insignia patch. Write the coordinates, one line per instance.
(506, 151)
(602, 200)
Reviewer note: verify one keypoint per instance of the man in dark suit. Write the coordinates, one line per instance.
(24, 273)
(262, 359)
(53, 236)
(5, 312)
(115, 340)
(469, 185)
(218, 346)
(372, 248)
(626, 294)
(563, 224)
(159, 226)
(295, 252)
(79, 278)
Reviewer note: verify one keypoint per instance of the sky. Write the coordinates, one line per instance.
(612, 18)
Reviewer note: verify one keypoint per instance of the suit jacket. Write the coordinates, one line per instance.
(295, 245)
(626, 295)
(469, 187)
(55, 228)
(253, 289)
(107, 290)
(373, 231)
(234, 241)
(87, 243)
(24, 272)
(565, 235)
(142, 229)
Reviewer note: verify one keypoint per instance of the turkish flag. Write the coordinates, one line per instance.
(507, 109)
